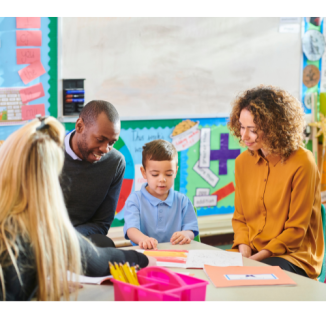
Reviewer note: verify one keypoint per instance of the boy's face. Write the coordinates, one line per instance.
(160, 177)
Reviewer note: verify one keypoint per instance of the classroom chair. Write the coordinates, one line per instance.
(197, 237)
(322, 275)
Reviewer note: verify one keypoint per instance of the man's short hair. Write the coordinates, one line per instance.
(159, 150)
(92, 109)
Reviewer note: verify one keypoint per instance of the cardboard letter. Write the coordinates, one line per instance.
(29, 38)
(31, 93)
(30, 111)
(25, 56)
(31, 72)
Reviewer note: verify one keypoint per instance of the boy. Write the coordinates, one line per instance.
(157, 213)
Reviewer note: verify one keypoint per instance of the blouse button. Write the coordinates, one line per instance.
(264, 180)
(261, 198)
(259, 231)
(266, 164)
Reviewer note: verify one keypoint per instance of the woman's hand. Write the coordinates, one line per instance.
(263, 254)
(245, 250)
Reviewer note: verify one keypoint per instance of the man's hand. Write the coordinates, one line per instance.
(245, 250)
(181, 237)
(148, 243)
(263, 254)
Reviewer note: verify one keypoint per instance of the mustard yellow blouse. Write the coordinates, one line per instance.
(278, 208)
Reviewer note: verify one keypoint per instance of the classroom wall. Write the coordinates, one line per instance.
(177, 66)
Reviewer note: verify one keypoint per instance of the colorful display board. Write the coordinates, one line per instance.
(206, 160)
(28, 66)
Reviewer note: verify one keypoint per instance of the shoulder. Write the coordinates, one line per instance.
(114, 157)
(180, 197)
(134, 197)
(302, 158)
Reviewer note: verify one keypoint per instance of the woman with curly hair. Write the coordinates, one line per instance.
(277, 217)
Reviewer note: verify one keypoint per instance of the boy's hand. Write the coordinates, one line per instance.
(148, 243)
(181, 237)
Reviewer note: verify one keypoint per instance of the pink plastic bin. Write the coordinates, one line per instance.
(161, 284)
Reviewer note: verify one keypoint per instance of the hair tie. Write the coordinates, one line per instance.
(42, 120)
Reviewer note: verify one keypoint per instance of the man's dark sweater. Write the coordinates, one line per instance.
(91, 191)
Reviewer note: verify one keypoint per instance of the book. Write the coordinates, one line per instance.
(194, 258)
(247, 276)
(89, 280)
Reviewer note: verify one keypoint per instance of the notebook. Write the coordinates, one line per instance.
(247, 275)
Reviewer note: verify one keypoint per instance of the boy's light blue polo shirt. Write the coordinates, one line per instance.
(159, 219)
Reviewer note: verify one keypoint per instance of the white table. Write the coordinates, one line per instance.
(305, 290)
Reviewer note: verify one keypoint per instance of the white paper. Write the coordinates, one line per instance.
(199, 258)
(205, 148)
(255, 277)
(168, 264)
(206, 174)
(205, 201)
(87, 279)
(202, 191)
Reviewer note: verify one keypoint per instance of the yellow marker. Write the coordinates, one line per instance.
(128, 272)
(113, 272)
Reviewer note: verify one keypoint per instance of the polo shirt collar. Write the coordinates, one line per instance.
(155, 201)
(69, 150)
(272, 158)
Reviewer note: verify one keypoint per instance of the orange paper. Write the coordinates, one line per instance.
(219, 275)
(30, 111)
(31, 93)
(31, 72)
(162, 253)
(28, 22)
(29, 38)
(28, 55)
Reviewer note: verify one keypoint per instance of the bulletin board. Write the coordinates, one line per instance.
(28, 70)
(206, 160)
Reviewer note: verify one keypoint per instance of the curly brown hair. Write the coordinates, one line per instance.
(276, 113)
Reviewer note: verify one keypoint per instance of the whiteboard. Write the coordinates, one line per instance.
(154, 67)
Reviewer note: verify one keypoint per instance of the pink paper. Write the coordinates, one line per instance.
(28, 55)
(30, 111)
(29, 38)
(31, 72)
(31, 93)
(28, 22)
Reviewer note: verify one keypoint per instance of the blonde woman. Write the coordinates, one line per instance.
(277, 218)
(38, 243)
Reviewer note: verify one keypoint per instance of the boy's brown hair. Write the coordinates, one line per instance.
(159, 150)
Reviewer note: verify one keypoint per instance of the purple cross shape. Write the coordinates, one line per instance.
(224, 154)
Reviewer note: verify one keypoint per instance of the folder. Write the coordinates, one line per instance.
(247, 276)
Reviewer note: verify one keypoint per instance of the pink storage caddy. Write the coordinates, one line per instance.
(161, 284)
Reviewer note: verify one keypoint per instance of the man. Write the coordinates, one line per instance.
(93, 171)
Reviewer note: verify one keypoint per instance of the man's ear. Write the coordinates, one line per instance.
(80, 125)
(143, 172)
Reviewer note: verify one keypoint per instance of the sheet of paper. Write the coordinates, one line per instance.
(168, 258)
(199, 258)
(247, 276)
(29, 94)
(205, 201)
(28, 22)
(29, 111)
(29, 38)
(28, 55)
(205, 148)
(87, 279)
(31, 72)
(206, 174)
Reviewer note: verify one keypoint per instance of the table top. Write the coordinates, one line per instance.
(305, 290)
